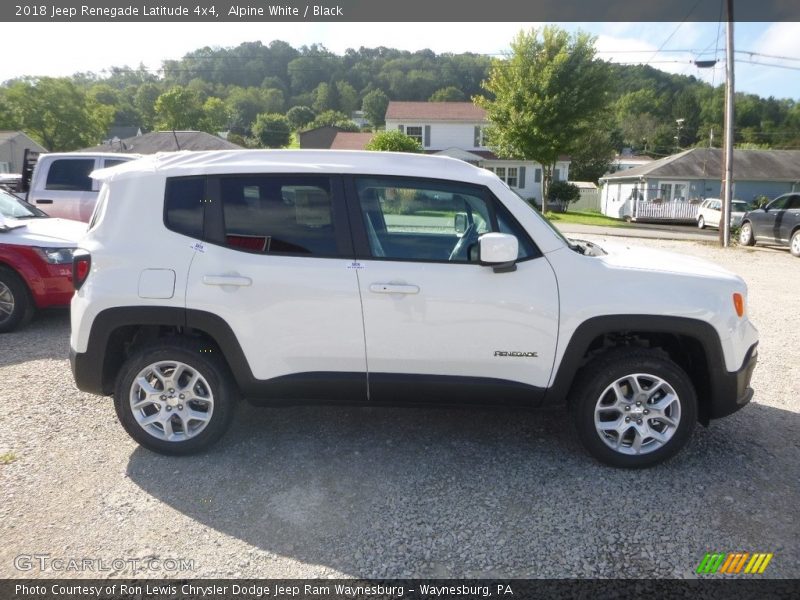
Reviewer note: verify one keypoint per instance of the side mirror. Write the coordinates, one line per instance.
(498, 250)
(460, 223)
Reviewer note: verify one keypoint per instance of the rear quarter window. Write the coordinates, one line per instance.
(184, 199)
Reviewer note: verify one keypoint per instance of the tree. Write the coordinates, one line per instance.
(57, 113)
(179, 108)
(394, 141)
(448, 94)
(594, 157)
(299, 116)
(333, 118)
(272, 130)
(348, 97)
(144, 102)
(374, 106)
(561, 194)
(547, 94)
(215, 116)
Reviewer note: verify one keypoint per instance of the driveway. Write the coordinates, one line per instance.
(324, 492)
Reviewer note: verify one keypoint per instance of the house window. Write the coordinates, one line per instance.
(672, 191)
(509, 175)
(537, 175)
(415, 132)
(511, 178)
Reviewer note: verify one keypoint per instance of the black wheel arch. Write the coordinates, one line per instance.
(692, 344)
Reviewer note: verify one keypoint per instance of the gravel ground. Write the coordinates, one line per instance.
(328, 492)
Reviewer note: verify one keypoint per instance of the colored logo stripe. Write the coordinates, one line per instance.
(733, 562)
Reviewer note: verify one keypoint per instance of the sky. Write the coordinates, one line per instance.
(667, 46)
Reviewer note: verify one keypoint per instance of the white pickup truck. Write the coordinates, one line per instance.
(61, 184)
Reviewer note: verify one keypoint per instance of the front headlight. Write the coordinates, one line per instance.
(57, 256)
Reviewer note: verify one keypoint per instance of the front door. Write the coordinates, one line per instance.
(438, 325)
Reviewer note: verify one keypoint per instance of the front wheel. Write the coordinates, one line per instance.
(634, 408)
(15, 304)
(701, 222)
(746, 237)
(174, 398)
(794, 245)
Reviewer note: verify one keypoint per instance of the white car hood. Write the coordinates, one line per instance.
(647, 259)
(43, 232)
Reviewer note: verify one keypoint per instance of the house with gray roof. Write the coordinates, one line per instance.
(12, 150)
(674, 186)
(166, 141)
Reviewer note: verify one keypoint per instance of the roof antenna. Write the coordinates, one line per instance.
(175, 135)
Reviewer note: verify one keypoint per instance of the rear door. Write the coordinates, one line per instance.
(438, 325)
(276, 266)
(790, 218)
(66, 188)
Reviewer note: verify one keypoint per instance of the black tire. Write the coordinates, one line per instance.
(588, 392)
(208, 365)
(14, 291)
(794, 244)
(701, 222)
(746, 236)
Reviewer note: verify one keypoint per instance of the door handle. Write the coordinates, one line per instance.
(393, 288)
(44, 202)
(227, 280)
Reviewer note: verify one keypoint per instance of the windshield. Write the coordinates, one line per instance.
(11, 206)
(740, 206)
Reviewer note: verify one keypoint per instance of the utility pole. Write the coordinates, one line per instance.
(725, 220)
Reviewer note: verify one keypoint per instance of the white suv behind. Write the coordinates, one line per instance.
(357, 277)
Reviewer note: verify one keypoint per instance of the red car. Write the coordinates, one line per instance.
(35, 260)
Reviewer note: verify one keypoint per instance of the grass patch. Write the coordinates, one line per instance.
(6, 458)
(585, 218)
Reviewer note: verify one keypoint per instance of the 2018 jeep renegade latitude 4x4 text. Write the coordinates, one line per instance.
(356, 277)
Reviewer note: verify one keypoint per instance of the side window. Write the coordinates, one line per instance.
(279, 214)
(779, 203)
(410, 219)
(71, 174)
(794, 202)
(184, 204)
(113, 162)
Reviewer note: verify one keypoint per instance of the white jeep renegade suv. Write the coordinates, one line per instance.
(357, 277)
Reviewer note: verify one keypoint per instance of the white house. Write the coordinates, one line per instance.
(457, 129)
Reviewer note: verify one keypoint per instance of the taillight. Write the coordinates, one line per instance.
(81, 265)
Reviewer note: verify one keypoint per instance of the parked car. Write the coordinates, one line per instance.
(777, 223)
(35, 260)
(61, 183)
(709, 214)
(380, 278)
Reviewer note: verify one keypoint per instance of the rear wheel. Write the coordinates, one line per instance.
(634, 408)
(746, 237)
(173, 398)
(16, 307)
(794, 245)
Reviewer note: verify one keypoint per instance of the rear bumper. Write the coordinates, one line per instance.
(731, 390)
(87, 371)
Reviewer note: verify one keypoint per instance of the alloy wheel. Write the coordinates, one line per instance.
(171, 401)
(637, 414)
(6, 302)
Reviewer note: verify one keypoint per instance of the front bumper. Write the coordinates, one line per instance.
(731, 391)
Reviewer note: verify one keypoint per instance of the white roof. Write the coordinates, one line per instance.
(172, 164)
